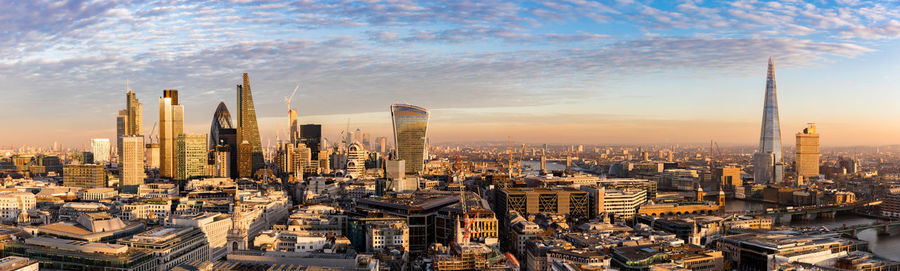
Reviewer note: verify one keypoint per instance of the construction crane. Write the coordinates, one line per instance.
(151, 133)
(287, 99)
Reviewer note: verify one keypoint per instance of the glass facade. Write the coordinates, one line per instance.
(768, 165)
(410, 127)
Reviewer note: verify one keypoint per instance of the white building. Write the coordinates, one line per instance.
(14, 206)
(159, 210)
(97, 194)
(625, 202)
(214, 225)
(100, 149)
(387, 234)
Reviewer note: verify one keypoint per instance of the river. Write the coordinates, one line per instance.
(885, 246)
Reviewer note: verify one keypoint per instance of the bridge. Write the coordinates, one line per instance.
(801, 211)
(883, 227)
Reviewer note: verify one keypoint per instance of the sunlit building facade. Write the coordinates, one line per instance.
(768, 164)
(807, 159)
(410, 129)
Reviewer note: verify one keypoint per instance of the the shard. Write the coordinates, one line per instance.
(768, 165)
(250, 154)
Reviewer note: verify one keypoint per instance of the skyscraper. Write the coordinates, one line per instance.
(807, 159)
(248, 132)
(768, 164)
(410, 127)
(191, 158)
(311, 136)
(130, 120)
(171, 124)
(295, 137)
(223, 138)
(100, 150)
(131, 163)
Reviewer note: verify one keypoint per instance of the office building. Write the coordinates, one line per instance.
(223, 137)
(418, 211)
(171, 124)
(131, 163)
(220, 162)
(622, 203)
(807, 159)
(311, 136)
(382, 145)
(100, 150)
(171, 246)
(387, 234)
(410, 129)
(558, 201)
(191, 158)
(215, 227)
(14, 206)
(151, 155)
(294, 132)
(65, 254)
(248, 132)
(768, 164)
(129, 122)
(84, 176)
(356, 160)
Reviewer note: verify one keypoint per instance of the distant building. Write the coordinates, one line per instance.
(356, 160)
(311, 136)
(100, 148)
(84, 176)
(559, 201)
(14, 206)
(623, 203)
(410, 129)
(807, 159)
(152, 155)
(248, 131)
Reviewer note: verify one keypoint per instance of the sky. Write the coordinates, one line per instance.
(556, 71)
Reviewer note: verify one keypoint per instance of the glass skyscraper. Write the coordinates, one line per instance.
(410, 127)
(768, 164)
(251, 159)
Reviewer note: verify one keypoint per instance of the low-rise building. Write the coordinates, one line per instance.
(215, 227)
(171, 246)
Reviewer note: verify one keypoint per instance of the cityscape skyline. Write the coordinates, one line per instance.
(555, 72)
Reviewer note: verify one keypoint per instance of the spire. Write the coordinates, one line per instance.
(768, 161)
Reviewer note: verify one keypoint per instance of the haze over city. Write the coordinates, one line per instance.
(611, 72)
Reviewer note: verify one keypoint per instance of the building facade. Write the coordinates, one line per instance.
(807, 159)
(191, 156)
(131, 161)
(84, 176)
(768, 164)
(410, 130)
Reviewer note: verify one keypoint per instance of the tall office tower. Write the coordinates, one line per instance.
(100, 149)
(356, 160)
(410, 127)
(311, 136)
(357, 136)
(152, 155)
(367, 140)
(221, 120)
(191, 158)
(244, 166)
(768, 165)
(382, 145)
(135, 112)
(129, 122)
(223, 134)
(121, 130)
(131, 164)
(295, 137)
(807, 163)
(171, 124)
(248, 131)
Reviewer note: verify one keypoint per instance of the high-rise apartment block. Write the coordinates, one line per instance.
(410, 129)
(768, 164)
(84, 176)
(171, 124)
(807, 159)
(248, 131)
(131, 163)
(100, 149)
(190, 156)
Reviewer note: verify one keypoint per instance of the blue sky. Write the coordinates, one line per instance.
(561, 71)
